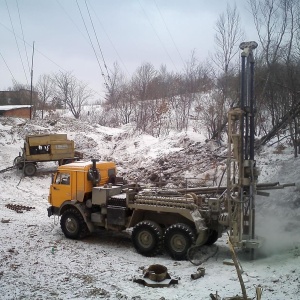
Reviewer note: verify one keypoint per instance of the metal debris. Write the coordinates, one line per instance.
(156, 273)
(200, 273)
(215, 296)
(19, 208)
(5, 220)
(156, 276)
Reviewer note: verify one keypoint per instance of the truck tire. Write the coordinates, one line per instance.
(29, 169)
(73, 224)
(212, 238)
(178, 239)
(147, 238)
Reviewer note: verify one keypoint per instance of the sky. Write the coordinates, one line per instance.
(129, 32)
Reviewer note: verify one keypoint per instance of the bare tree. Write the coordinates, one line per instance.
(227, 38)
(141, 83)
(207, 113)
(120, 98)
(78, 95)
(117, 80)
(142, 79)
(73, 93)
(277, 23)
(271, 22)
(270, 19)
(126, 103)
(63, 82)
(45, 89)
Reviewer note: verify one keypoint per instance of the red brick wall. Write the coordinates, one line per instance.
(17, 113)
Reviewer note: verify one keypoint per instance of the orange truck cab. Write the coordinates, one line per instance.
(75, 181)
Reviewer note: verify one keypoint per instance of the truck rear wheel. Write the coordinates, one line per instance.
(178, 239)
(29, 169)
(73, 224)
(147, 238)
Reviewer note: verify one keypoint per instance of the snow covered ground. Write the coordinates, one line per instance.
(38, 262)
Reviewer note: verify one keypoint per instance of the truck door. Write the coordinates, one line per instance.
(61, 189)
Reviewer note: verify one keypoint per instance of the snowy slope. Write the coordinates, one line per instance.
(38, 262)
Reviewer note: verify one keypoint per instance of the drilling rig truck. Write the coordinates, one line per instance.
(88, 197)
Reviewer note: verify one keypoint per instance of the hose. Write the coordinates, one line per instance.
(191, 254)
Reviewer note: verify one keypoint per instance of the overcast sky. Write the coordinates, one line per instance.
(129, 31)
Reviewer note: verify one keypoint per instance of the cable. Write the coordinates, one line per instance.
(158, 36)
(74, 23)
(92, 45)
(42, 54)
(35, 48)
(109, 39)
(16, 41)
(8, 68)
(23, 35)
(108, 77)
(197, 255)
(169, 32)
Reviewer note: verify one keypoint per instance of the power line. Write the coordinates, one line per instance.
(74, 23)
(109, 39)
(92, 44)
(35, 48)
(169, 32)
(8, 68)
(108, 77)
(23, 35)
(158, 36)
(16, 41)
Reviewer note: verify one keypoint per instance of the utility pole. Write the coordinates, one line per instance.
(31, 76)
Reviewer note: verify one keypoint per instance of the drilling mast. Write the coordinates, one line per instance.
(242, 173)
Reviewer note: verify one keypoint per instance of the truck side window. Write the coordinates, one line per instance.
(63, 178)
(44, 149)
(33, 150)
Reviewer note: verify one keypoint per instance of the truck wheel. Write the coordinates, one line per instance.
(147, 238)
(178, 239)
(29, 169)
(212, 237)
(73, 224)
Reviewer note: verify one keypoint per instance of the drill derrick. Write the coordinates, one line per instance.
(242, 172)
